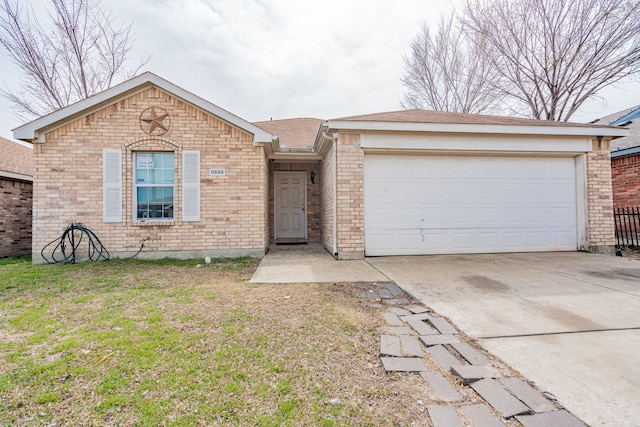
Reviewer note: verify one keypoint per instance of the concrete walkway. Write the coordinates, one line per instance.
(311, 264)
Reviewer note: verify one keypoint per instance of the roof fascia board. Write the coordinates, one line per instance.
(294, 156)
(321, 144)
(477, 128)
(629, 116)
(313, 160)
(626, 152)
(18, 176)
(440, 152)
(479, 142)
(21, 143)
(34, 130)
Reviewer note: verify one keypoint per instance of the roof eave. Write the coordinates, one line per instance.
(16, 176)
(625, 152)
(321, 143)
(292, 157)
(478, 128)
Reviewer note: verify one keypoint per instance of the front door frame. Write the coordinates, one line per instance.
(303, 175)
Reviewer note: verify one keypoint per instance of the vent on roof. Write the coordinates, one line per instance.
(627, 123)
(594, 121)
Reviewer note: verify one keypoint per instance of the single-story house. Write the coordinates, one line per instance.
(16, 187)
(625, 158)
(147, 159)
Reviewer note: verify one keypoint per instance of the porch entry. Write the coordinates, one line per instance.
(290, 207)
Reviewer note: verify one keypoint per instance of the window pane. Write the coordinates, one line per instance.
(142, 176)
(167, 175)
(155, 202)
(154, 168)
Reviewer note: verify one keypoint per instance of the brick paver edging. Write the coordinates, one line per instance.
(419, 341)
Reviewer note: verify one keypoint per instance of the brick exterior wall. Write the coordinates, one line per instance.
(601, 235)
(68, 182)
(268, 218)
(600, 227)
(15, 221)
(350, 195)
(625, 174)
(313, 197)
(327, 178)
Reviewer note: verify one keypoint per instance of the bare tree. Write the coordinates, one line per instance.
(446, 71)
(81, 51)
(553, 55)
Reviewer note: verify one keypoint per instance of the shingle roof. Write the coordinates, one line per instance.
(15, 158)
(622, 118)
(293, 133)
(442, 117)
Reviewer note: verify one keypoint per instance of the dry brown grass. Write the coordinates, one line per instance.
(630, 252)
(141, 343)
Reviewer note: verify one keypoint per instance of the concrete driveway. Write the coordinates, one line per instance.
(570, 322)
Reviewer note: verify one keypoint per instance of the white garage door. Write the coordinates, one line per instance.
(460, 204)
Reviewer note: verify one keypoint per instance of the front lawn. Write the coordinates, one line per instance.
(148, 343)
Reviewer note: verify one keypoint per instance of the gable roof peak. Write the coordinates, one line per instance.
(35, 130)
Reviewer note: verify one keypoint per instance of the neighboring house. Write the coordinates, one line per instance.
(625, 158)
(148, 160)
(16, 186)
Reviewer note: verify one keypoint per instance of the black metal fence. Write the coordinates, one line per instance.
(627, 221)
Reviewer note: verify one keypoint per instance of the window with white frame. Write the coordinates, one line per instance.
(154, 185)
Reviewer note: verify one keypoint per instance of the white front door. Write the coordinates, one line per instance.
(290, 205)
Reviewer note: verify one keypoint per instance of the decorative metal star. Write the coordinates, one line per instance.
(155, 121)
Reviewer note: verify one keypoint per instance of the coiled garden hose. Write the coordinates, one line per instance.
(67, 247)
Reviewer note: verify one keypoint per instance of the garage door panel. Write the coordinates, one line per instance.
(434, 188)
(486, 191)
(561, 217)
(462, 204)
(490, 216)
(436, 217)
(382, 189)
(535, 217)
(398, 242)
(410, 242)
(404, 219)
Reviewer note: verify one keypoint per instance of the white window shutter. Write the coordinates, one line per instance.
(112, 186)
(191, 185)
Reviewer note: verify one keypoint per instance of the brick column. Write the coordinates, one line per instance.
(350, 192)
(601, 234)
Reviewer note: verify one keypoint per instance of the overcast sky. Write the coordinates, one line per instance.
(262, 59)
